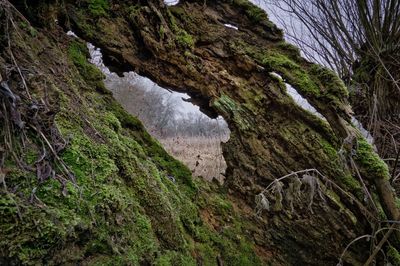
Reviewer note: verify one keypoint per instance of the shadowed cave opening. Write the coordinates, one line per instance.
(185, 132)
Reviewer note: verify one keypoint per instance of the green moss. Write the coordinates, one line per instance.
(310, 80)
(329, 149)
(51, 223)
(351, 184)
(171, 166)
(344, 177)
(8, 206)
(231, 109)
(144, 165)
(124, 118)
(280, 60)
(161, 32)
(221, 206)
(294, 74)
(89, 159)
(172, 22)
(174, 258)
(31, 30)
(84, 22)
(78, 53)
(289, 49)
(372, 165)
(31, 156)
(327, 78)
(98, 8)
(393, 255)
(244, 254)
(112, 121)
(398, 202)
(184, 39)
(335, 198)
(254, 13)
(134, 11)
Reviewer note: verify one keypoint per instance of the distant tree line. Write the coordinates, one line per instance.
(161, 111)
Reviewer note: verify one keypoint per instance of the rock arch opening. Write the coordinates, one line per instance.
(185, 132)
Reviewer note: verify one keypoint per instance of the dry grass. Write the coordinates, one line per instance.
(202, 155)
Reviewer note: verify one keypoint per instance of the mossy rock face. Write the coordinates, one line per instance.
(120, 207)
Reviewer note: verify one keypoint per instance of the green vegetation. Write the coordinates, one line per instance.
(290, 49)
(335, 163)
(184, 39)
(25, 26)
(98, 8)
(371, 163)
(133, 11)
(326, 78)
(161, 32)
(313, 81)
(335, 198)
(254, 13)
(309, 79)
(79, 55)
(229, 226)
(393, 255)
(280, 61)
(172, 22)
(291, 71)
(231, 109)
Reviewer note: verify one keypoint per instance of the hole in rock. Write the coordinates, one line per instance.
(300, 100)
(171, 2)
(231, 26)
(185, 132)
(72, 34)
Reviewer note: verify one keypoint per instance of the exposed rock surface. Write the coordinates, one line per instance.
(119, 206)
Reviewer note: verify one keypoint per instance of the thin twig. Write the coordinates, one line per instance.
(381, 243)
